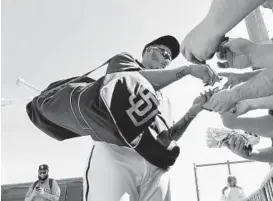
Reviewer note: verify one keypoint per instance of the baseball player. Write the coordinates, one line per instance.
(44, 188)
(135, 166)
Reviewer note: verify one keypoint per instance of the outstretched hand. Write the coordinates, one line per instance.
(200, 101)
(221, 101)
(233, 79)
(236, 53)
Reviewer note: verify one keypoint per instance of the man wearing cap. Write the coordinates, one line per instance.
(133, 164)
(44, 188)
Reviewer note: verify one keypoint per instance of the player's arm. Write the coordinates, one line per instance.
(259, 86)
(30, 194)
(223, 15)
(161, 78)
(180, 127)
(56, 192)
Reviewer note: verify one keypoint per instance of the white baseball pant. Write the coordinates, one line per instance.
(116, 173)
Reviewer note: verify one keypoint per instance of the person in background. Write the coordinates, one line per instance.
(44, 188)
(235, 192)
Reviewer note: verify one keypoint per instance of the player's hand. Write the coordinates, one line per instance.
(200, 101)
(221, 102)
(233, 79)
(200, 44)
(229, 120)
(236, 53)
(205, 73)
(236, 144)
(242, 107)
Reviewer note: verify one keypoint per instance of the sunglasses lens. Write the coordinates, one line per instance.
(165, 54)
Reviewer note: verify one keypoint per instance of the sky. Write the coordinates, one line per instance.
(43, 41)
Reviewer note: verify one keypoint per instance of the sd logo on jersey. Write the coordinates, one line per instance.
(144, 106)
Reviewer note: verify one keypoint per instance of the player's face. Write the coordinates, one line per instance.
(42, 173)
(158, 56)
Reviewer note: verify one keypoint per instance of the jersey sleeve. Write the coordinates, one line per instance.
(122, 62)
(55, 188)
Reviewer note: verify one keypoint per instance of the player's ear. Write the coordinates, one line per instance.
(148, 49)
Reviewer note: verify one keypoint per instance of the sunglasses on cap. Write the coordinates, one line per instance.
(166, 55)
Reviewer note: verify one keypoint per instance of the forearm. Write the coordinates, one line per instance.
(161, 78)
(223, 15)
(262, 126)
(262, 103)
(259, 86)
(262, 155)
(262, 56)
(51, 197)
(180, 127)
(249, 75)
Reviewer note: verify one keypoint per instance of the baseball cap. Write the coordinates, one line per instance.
(168, 41)
(43, 167)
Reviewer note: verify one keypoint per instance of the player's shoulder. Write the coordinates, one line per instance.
(122, 62)
(122, 58)
(125, 55)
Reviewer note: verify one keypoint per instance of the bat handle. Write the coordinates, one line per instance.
(27, 85)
